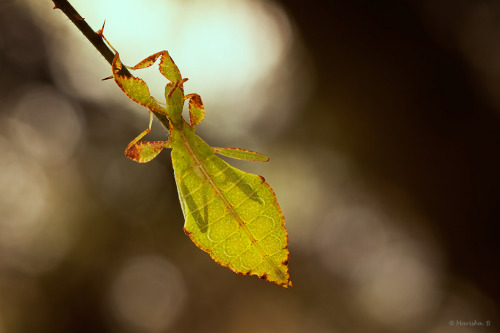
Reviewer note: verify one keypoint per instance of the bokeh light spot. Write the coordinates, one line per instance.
(148, 294)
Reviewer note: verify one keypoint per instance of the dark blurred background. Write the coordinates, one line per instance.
(382, 121)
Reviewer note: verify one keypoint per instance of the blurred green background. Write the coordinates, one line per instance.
(382, 121)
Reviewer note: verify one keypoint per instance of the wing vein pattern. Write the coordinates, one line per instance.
(231, 214)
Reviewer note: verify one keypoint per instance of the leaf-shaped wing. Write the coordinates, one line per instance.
(231, 214)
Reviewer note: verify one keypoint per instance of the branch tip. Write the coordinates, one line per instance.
(97, 39)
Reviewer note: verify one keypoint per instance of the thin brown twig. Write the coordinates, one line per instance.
(96, 40)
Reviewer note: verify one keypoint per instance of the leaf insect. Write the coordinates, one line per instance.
(231, 214)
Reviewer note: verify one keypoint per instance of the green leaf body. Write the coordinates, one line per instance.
(231, 214)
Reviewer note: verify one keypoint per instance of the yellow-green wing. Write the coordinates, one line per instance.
(231, 214)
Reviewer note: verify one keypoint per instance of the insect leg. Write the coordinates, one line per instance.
(241, 154)
(167, 66)
(135, 88)
(196, 109)
(144, 151)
